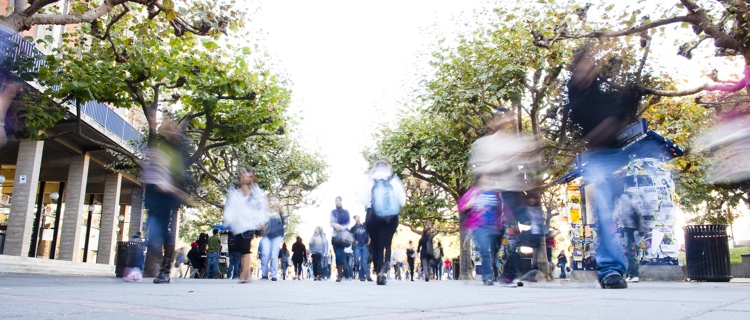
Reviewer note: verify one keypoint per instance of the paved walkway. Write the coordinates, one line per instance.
(24, 296)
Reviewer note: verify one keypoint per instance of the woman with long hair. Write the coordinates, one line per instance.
(318, 247)
(273, 236)
(245, 211)
(299, 253)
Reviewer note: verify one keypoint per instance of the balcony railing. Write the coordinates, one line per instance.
(14, 46)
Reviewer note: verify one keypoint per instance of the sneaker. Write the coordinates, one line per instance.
(369, 279)
(613, 281)
(134, 275)
(264, 277)
(633, 279)
(273, 279)
(510, 283)
(488, 283)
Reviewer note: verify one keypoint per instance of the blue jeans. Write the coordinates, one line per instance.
(233, 271)
(628, 234)
(599, 175)
(348, 259)
(160, 206)
(269, 252)
(562, 270)
(361, 254)
(486, 237)
(213, 264)
(338, 252)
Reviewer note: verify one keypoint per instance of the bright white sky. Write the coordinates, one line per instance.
(352, 65)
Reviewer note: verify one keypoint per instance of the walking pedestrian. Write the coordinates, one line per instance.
(383, 196)
(164, 174)
(601, 115)
(271, 241)
(284, 257)
(629, 217)
(214, 247)
(425, 253)
(361, 249)
(233, 270)
(447, 265)
(410, 256)
(562, 260)
(245, 211)
(437, 261)
(319, 248)
(341, 237)
(299, 255)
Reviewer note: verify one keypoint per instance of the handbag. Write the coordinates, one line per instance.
(342, 238)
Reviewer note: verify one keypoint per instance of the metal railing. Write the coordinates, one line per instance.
(14, 46)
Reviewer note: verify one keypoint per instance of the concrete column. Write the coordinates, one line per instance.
(136, 212)
(122, 235)
(25, 184)
(75, 197)
(110, 211)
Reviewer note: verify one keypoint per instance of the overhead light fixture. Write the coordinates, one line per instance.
(54, 196)
(2, 179)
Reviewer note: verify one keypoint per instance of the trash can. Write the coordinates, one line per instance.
(129, 254)
(455, 267)
(707, 253)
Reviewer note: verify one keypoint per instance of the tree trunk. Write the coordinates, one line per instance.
(542, 261)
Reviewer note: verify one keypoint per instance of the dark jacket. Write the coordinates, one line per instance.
(590, 106)
(298, 252)
(425, 248)
(360, 234)
(195, 258)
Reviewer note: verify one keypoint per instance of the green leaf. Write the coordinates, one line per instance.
(210, 45)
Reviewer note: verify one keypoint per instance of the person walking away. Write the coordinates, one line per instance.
(348, 261)
(447, 266)
(233, 271)
(383, 196)
(629, 217)
(399, 256)
(484, 214)
(299, 253)
(341, 237)
(437, 261)
(214, 247)
(272, 239)
(425, 253)
(601, 115)
(318, 247)
(562, 260)
(361, 249)
(165, 178)
(245, 211)
(284, 257)
(410, 256)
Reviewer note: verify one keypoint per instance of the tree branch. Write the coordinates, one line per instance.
(676, 93)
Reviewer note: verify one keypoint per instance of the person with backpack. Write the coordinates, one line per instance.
(383, 196)
(361, 249)
(341, 237)
(426, 253)
(437, 261)
(273, 236)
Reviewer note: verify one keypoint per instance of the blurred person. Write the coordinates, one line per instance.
(383, 195)
(361, 249)
(410, 256)
(134, 273)
(214, 247)
(9, 90)
(341, 237)
(562, 261)
(245, 211)
(398, 256)
(348, 261)
(272, 239)
(233, 270)
(601, 114)
(284, 257)
(437, 261)
(485, 216)
(299, 253)
(447, 266)
(164, 176)
(318, 247)
(424, 247)
(629, 217)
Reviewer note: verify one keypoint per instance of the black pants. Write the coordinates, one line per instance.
(381, 232)
(297, 268)
(410, 260)
(317, 264)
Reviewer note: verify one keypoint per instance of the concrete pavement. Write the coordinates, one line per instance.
(27, 296)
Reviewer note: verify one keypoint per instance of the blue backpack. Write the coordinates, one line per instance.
(384, 201)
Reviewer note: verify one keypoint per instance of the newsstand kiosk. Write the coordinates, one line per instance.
(647, 169)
